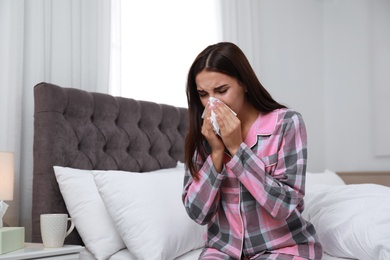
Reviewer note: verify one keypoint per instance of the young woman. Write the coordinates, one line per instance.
(247, 182)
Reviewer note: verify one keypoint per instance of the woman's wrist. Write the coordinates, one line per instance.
(217, 158)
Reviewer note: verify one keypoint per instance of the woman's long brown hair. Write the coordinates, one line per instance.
(227, 58)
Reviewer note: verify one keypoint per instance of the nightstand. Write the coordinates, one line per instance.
(38, 251)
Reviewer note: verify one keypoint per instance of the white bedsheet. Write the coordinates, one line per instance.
(126, 255)
(193, 255)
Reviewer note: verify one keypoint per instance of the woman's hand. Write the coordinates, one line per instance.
(230, 127)
(217, 146)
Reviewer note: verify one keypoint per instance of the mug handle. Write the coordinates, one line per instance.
(70, 228)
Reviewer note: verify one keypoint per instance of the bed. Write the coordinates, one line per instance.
(115, 166)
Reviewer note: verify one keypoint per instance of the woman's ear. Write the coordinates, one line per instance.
(242, 85)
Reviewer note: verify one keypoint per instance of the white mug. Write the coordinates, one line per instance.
(54, 229)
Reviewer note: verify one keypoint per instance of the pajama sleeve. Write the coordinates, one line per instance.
(201, 197)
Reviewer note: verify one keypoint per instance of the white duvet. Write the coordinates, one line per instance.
(141, 216)
(193, 255)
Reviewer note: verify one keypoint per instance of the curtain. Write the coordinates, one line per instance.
(241, 19)
(63, 42)
(11, 92)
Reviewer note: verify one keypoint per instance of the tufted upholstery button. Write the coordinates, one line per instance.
(128, 149)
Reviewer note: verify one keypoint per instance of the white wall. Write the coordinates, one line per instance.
(349, 55)
(380, 75)
(318, 57)
(291, 65)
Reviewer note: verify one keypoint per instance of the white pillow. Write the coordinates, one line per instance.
(88, 212)
(327, 177)
(148, 212)
(352, 221)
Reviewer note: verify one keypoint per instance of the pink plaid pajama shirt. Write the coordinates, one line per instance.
(253, 207)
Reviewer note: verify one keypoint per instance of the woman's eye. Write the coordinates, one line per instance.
(223, 91)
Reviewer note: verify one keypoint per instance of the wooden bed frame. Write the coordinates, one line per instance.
(376, 177)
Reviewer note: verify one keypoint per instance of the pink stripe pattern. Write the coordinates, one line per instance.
(253, 207)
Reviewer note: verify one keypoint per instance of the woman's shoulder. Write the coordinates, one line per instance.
(286, 115)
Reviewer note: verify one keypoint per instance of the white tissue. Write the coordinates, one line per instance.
(213, 115)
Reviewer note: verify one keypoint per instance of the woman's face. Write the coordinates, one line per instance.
(221, 86)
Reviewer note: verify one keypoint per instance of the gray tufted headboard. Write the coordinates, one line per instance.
(86, 130)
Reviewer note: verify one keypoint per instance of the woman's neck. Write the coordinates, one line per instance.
(247, 117)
